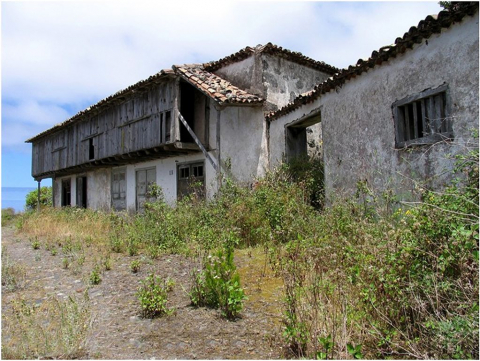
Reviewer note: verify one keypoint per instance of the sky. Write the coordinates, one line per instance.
(59, 57)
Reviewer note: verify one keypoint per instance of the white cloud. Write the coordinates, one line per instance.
(66, 55)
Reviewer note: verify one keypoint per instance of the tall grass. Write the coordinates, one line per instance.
(54, 329)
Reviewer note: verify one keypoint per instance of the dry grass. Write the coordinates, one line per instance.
(13, 274)
(53, 329)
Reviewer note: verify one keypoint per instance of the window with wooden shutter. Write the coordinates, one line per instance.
(423, 118)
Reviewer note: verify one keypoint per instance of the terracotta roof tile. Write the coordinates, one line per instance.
(215, 87)
(415, 35)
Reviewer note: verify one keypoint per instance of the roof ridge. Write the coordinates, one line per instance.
(415, 35)
(270, 48)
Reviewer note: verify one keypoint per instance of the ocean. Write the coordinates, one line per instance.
(14, 197)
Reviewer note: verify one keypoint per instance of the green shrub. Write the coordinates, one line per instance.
(218, 285)
(31, 199)
(8, 215)
(401, 286)
(153, 296)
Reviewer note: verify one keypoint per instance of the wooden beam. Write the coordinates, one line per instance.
(198, 142)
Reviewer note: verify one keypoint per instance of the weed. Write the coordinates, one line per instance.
(95, 278)
(35, 243)
(107, 262)
(135, 266)
(13, 274)
(218, 285)
(153, 294)
(8, 216)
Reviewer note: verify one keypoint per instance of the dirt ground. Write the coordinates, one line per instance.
(119, 332)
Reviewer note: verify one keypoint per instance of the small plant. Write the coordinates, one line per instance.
(327, 346)
(65, 262)
(107, 262)
(35, 243)
(152, 295)
(355, 351)
(218, 285)
(95, 278)
(135, 266)
(116, 244)
(53, 251)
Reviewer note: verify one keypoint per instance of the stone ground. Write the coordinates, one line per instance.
(119, 332)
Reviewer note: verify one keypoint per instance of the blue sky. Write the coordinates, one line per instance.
(60, 57)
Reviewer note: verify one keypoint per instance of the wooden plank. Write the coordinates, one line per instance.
(415, 121)
(197, 141)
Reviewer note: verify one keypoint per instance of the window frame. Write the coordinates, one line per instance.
(440, 128)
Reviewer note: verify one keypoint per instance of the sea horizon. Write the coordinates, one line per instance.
(14, 197)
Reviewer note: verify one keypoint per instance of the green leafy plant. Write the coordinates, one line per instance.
(31, 199)
(95, 278)
(153, 296)
(355, 351)
(135, 266)
(218, 284)
(35, 243)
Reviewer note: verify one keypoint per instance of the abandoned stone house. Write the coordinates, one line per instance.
(388, 120)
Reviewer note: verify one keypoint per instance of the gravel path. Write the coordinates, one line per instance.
(119, 332)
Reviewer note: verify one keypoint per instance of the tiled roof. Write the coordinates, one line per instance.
(215, 87)
(272, 49)
(104, 103)
(415, 35)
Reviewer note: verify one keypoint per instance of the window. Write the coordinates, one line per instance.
(91, 149)
(422, 118)
(191, 179)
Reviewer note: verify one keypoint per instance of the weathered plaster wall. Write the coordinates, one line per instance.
(98, 189)
(284, 80)
(358, 125)
(276, 79)
(244, 142)
(245, 74)
(166, 174)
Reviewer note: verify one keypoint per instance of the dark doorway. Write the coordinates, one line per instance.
(187, 109)
(82, 192)
(66, 194)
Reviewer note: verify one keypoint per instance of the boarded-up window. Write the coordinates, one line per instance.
(422, 118)
(144, 179)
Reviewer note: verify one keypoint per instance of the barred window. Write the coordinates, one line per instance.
(422, 118)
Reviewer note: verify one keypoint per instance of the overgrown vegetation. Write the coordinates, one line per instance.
(153, 296)
(31, 200)
(358, 283)
(217, 285)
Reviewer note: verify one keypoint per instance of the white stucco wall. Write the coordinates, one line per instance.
(244, 142)
(358, 125)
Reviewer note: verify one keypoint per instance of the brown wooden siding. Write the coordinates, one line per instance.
(135, 124)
